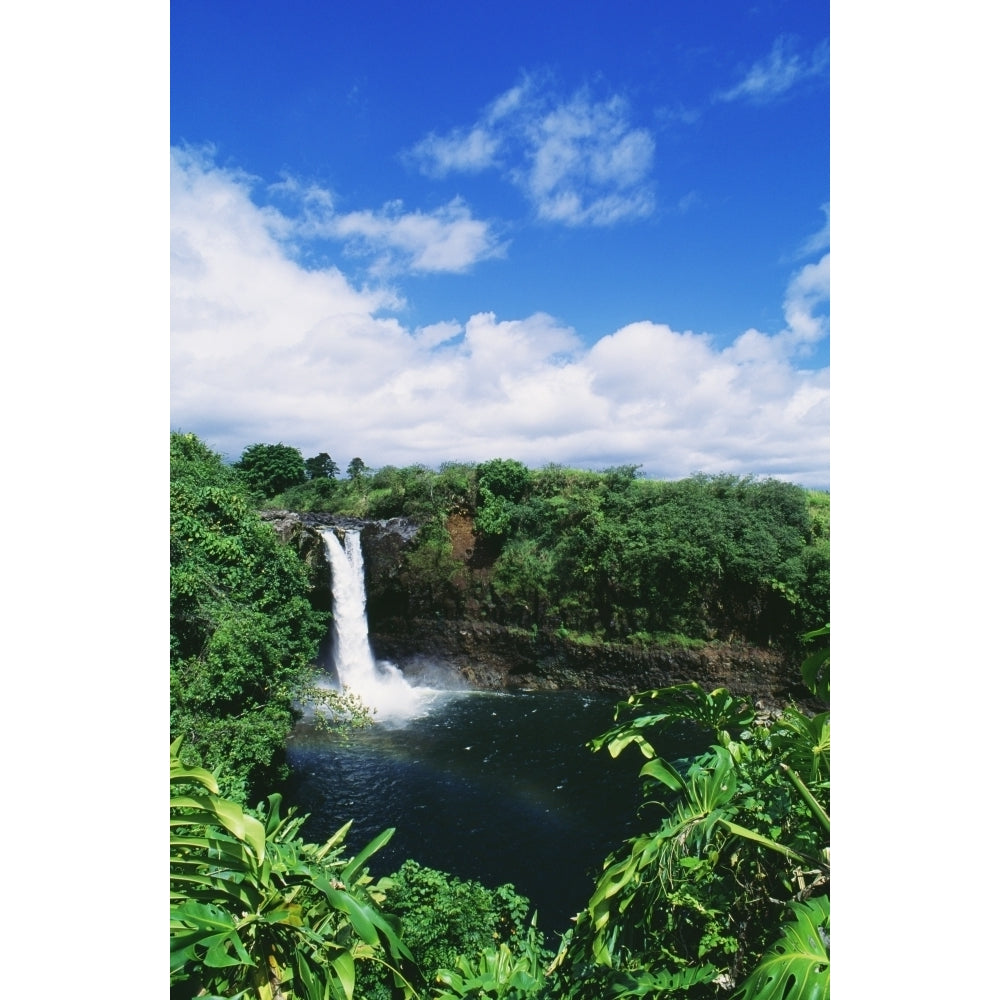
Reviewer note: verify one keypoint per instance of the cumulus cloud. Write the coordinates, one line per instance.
(779, 72)
(263, 349)
(393, 240)
(580, 161)
(806, 293)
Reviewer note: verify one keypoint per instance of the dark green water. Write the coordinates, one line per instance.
(494, 787)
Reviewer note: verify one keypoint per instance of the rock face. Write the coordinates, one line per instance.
(494, 657)
(383, 544)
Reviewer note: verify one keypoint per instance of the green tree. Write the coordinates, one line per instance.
(356, 469)
(243, 635)
(270, 469)
(321, 466)
(503, 477)
(443, 917)
(500, 486)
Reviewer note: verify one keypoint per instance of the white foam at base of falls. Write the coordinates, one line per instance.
(380, 685)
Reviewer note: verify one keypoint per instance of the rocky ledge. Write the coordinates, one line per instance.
(492, 657)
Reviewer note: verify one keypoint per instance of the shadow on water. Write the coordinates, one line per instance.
(494, 787)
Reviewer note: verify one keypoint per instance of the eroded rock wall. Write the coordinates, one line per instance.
(494, 657)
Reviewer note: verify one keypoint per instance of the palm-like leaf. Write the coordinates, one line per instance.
(804, 743)
(797, 966)
(716, 710)
(252, 907)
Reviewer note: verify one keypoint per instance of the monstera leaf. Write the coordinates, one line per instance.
(797, 965)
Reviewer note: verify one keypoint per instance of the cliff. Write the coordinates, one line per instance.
(491, 656)
(495, 657)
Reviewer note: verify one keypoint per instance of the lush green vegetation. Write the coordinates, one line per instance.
(243, 634)
(608, 555)
(726, 889)
(731, 885)
(725, 892)
(444, 920)
(254, 910)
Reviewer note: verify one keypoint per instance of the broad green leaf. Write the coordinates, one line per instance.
(202, 915)
(353, 866)
(797, 966)
(225, 813)
(662, 983)
(357, 914)
(290, 915)
(663, 772)
(307, 982)
(741, 831)
(198, 928)
(343, 965)
(813, 674)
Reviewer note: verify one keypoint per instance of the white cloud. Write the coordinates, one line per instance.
(446, 239)
(265, 350)
(459, 151)
(774, 76)
(579, 161)
(437, 333)
(808, 290)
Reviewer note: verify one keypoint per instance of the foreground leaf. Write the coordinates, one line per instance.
(797, 966)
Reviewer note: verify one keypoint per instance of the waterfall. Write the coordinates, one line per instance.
(380, 685)
(352, 652)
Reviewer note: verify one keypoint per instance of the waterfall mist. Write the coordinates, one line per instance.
(380, 684)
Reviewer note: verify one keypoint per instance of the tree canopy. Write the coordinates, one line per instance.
(611, 555)
(321, 466)
(243, 634)
(270, 469)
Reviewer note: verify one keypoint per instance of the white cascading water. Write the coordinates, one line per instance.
(381, 686)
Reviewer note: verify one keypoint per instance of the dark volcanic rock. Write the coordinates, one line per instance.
(383, 544)
(494, 657)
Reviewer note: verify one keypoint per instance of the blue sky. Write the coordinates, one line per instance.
(592, 234)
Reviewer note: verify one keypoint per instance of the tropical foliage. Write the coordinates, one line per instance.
(741, 844)
(608, 555)
(496, 972)
(254, 911)
(445, 919)
(243, 634)
(725, 892)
